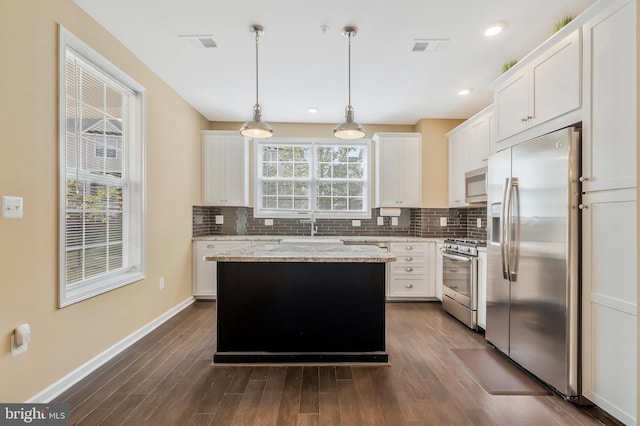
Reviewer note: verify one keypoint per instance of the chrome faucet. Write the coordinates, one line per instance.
(312, 221)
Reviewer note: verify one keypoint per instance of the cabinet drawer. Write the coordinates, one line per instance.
(408, 270)
(409, 259)
(408, 287)
(404, 249)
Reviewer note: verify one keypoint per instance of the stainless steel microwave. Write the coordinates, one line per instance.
(475, 186)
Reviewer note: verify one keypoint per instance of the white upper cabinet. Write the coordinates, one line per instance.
(225, 169)
(546, 88)
(512, 104)
(469, 149)
(398, 162)
(479, 143)
(609, 124)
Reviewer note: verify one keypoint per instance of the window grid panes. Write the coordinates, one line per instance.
(329, 179)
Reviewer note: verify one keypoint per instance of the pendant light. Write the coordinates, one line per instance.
(256, 128)
(349, 129)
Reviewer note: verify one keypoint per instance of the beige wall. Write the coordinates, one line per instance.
(64, 339)
(435, 163)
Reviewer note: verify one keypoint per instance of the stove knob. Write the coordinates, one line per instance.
(468, 249)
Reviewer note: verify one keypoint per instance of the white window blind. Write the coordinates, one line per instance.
(101, 186)
(323, 178)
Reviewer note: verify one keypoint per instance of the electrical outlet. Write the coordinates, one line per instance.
(394, 221)
(161, 282)
(219, 219)
(380, 220)
(443, 221)
(479, 223)
(356, 223)
(268, 222)
(199, 219)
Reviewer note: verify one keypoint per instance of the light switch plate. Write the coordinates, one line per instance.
(219, 219)
(268, 222)
(380, 220)
(394, 221)
(11, 207)
(479, 223)
(356, 222)
(443, 221)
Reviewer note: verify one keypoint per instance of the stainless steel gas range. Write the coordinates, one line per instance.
(460, 279)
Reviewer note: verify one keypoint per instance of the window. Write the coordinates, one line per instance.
(101, 174)
(323, 178)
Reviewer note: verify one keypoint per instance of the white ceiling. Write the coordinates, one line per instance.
(302, 67)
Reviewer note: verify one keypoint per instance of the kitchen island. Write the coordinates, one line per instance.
(301, 303)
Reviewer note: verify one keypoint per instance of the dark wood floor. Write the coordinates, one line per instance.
(167, 379)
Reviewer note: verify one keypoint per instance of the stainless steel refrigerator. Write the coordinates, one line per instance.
(533, 204)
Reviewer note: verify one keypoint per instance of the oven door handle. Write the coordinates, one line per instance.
(458, 258)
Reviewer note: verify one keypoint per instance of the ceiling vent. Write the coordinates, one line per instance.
(199, 41)
(428, 45)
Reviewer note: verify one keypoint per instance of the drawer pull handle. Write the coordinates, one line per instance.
(408, 259)
(408, 286)
(210, 246)
(453, 269)
(408, 269)
(408, 248)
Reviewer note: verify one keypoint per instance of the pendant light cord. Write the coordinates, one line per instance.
(349, 69)
(257, 36)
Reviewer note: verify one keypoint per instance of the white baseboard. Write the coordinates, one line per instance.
(52, 391)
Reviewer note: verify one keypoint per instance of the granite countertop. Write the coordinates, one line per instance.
(304, 253)
(277, 238)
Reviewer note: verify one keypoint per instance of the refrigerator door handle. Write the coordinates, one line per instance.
(514, 233)
(503, 229)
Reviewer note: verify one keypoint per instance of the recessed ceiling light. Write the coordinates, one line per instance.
(464, 92)
(312, 110)
(494, 29)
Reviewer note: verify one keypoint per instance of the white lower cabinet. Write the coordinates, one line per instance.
(482, 289)
(413, 274)
(204, 278)
(609, 305)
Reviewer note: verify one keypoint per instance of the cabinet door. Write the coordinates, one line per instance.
(204, 272)
(458, 160)
(479, 143)
(609, 305)
(411, 172)
(398, 170)
(213, 170)
(610, 92)
(482, 290)
(512, 105)
(438, 282)
(236, 183)
(556, 81)
(225, 169)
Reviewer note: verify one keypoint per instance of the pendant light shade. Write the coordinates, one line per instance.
(256, 128)
(349, 129)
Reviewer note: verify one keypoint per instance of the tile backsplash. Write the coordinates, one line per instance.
(461, 223)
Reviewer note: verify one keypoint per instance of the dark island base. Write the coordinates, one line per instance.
(300, 312)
